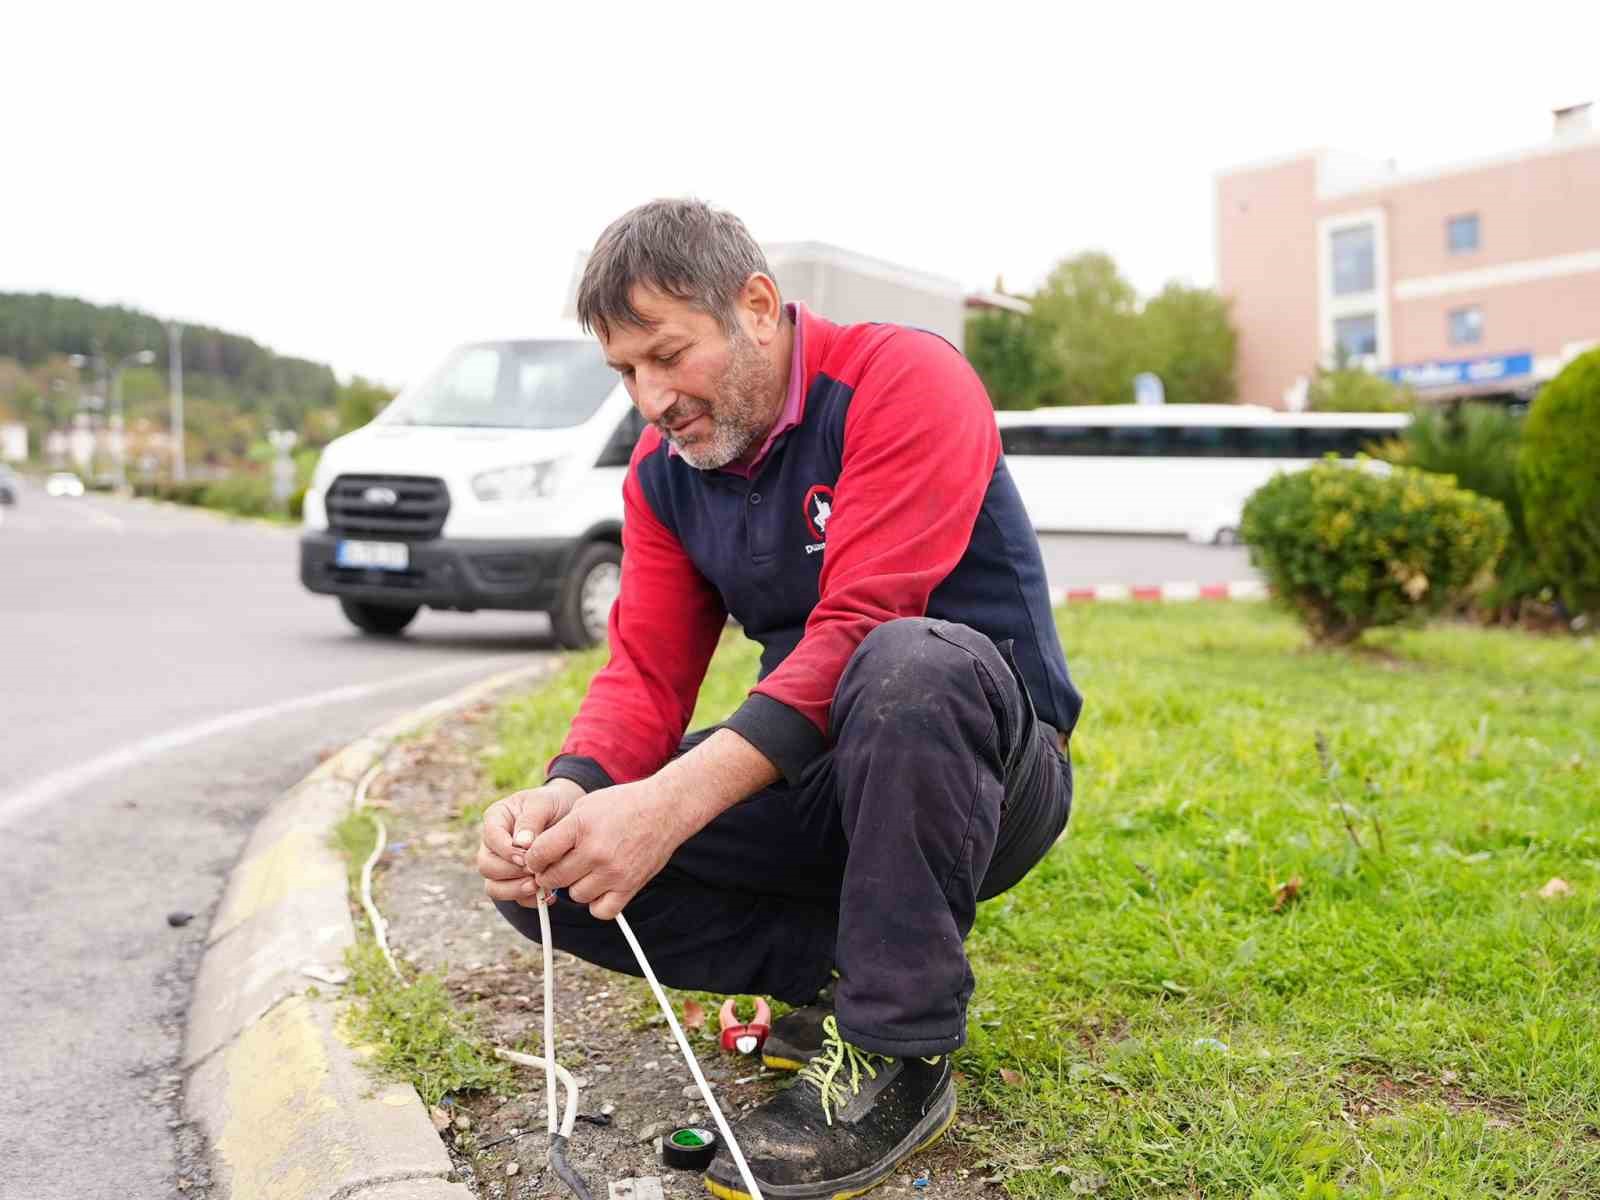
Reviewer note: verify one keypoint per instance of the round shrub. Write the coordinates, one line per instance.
(1349, 545)
(1559, 470)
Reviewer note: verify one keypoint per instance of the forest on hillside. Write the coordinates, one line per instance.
(235, 389)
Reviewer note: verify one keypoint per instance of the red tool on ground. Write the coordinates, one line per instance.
(746, 1037)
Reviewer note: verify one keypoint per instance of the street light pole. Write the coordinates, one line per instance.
(119, 434)
(175, 385)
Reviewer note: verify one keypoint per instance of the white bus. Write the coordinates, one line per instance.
(1179, 468)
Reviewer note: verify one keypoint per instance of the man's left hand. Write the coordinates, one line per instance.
(611, 844)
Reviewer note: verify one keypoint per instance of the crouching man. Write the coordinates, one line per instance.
(839, 491)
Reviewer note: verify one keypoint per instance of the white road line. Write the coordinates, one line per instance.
(63, 783)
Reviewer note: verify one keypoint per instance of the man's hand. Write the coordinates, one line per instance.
(509, 827)
(611, 843)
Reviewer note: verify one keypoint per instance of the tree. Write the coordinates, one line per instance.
(1007, 351)
(1087, 316)
(359, 401)
(1559, 484)
(1187, 338)
(1345, 388)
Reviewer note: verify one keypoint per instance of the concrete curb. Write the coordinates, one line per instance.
(288, 1109)
(1238, 589)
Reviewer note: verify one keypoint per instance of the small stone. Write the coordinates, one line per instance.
(652, 1065)
(607, 1109)
(175, 919)
(513, 1167)
(463, 1122)
(691, 1090)
(654, 1130)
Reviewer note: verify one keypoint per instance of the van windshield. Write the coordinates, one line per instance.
(509, 385)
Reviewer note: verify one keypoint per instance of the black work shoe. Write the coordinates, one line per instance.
(849, 1120)
(795, 1037)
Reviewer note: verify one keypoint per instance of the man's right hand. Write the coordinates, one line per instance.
(509, 827)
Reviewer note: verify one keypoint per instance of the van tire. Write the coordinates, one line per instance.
(384, 620)
(587, 593)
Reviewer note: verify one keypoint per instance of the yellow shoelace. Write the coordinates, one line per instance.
(824, 1069)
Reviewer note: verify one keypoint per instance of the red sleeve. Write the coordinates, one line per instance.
(640, 702)
(920, 447)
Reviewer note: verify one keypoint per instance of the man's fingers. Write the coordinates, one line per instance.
(553, 845)
(608, 906)
(499, 822)
(522, 890)
(491, 866)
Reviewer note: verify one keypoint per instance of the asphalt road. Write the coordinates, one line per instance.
(163, 677)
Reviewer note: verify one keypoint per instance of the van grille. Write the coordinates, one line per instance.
(355, 506)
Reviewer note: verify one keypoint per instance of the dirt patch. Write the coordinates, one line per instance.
(1370, 1095)
(609, 1032)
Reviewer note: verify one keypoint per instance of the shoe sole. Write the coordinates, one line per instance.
(861, 1181)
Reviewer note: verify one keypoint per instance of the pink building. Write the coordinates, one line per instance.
(1479, 277)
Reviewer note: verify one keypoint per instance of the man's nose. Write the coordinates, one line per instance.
(651, 393)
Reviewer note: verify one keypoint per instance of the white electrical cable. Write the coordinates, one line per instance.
(694, 1065)
(380, 928)
(553, 1070)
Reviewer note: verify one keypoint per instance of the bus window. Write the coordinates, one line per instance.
(1052, 440)
(1140, 440)
(1202, 441)
(1268, 441)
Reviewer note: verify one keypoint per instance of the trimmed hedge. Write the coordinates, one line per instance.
(1348, 546)
(1559, 472)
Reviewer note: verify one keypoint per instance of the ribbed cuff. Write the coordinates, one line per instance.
(585, 772)
(779, 732)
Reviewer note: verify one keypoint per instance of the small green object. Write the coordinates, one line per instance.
(687, 1137)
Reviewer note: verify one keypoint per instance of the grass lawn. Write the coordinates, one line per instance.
(1209, 989)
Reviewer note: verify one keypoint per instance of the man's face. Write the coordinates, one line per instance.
(712, 396)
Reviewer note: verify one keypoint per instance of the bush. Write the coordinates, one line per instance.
(246, 495)
(1478, 444)
(1350, 546)
(1559, 472)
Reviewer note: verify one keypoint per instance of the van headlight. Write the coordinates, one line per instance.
(509, 485)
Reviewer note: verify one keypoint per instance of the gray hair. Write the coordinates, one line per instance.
(681, 248)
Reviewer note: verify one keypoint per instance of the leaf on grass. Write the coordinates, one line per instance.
(694, 1014)
(1115, 1080)
(440, 1118)
(1287, 893)
(1007, 1075)
(1555, 889)
(1175, 988)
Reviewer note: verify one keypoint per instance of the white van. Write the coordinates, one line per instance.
(496, 482)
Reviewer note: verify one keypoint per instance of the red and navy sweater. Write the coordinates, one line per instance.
(889, 499)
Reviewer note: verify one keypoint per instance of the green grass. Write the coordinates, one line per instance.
(414, 1029)
(1417, 1022)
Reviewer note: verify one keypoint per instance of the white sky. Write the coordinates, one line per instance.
(366, 184)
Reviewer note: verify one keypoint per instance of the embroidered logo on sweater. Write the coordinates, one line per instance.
(818, 510)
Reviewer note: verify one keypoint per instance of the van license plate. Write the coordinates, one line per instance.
(382, 556)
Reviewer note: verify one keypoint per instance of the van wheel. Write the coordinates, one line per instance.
(385, 620)
(587, 594)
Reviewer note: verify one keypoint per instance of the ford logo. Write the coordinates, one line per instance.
(381, 496)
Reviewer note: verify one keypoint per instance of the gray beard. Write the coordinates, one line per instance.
(737, 419)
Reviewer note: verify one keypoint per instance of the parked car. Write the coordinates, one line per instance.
(10, 485)
(63, 483)
(495, 482)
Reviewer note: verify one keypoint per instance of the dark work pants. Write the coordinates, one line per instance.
(941, 789)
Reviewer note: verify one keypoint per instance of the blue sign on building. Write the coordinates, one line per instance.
(1456, 372)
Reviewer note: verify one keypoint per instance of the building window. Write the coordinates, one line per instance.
(1354, 337)
(1466, 326)
(1462, 233)
(1354, 260)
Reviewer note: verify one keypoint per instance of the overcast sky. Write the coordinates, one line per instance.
(346, 183)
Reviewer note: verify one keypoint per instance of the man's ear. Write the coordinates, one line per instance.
(761, 308)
